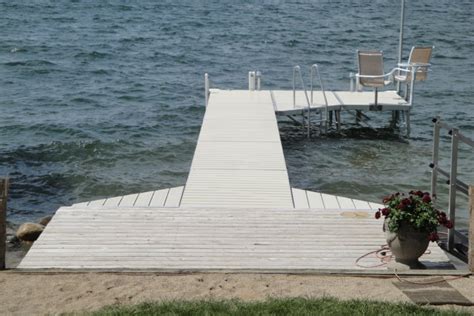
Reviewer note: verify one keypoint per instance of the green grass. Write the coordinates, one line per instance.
(292, 306)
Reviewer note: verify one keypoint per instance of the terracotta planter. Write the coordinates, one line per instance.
(407, 245)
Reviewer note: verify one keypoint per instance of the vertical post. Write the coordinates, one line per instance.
(435, 157)
(3, 221)
(452, 185)
(471, 229)
(206, 87)
(259, 80)
(251, 80)
(400, 44)
(351, 76)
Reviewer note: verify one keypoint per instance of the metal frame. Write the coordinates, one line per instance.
(297, 71)
(315, 71)
(454, 183)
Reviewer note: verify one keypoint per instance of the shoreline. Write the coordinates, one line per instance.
(50, 293)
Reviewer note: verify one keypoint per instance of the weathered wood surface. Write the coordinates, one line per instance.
(209, 239)
(471, 229)
(239, 159)
(4, 183)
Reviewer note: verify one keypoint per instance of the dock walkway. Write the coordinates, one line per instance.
(239, 159)
(237, 212)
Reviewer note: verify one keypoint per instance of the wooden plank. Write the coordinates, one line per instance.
(144, 199)
(128, 200)
(300, 199)
(159, 198)
(471, 229)
(174, 197)
(375, 206)
(82, 204)
(361, 205)
(315, 200)
(113, 201)
(97, 202)
(345, 203)
(330, 201)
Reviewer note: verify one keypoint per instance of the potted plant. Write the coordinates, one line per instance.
(411, 222)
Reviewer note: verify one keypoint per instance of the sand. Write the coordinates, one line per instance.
(52, 293)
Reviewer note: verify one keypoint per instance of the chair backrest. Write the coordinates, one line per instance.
(370, 63)
(422, 56)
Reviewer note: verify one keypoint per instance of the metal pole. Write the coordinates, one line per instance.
(452, 185)
(206, 87)
(400, 44)
(3, 221)
(434, 161)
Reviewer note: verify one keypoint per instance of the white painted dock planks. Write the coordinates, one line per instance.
(337, 100)
(160, 198)
(209, 239)
(236, 212)
(239, 159)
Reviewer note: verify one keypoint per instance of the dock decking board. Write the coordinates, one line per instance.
(239, 157)
(337, 100)
(208, 239)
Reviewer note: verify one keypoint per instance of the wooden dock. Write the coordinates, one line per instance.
(236, 212)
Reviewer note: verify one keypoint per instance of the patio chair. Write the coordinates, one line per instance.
(419, 57)
(371, 73)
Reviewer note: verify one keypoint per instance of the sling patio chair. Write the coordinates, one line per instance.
(419, 61)
(371, 73)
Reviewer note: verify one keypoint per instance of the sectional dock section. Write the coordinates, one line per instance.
(236, 212)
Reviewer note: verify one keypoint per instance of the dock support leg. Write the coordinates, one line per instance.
(330, 118)
(407, 116)
(338, 119)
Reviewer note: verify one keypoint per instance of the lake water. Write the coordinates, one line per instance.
(104, 98)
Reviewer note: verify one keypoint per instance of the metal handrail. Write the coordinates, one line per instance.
(297, 70)
(314, 71)
(454, 183)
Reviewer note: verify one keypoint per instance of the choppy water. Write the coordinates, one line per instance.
(103, 98)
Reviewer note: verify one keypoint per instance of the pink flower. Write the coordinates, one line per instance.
(426, 198)
(377, 214)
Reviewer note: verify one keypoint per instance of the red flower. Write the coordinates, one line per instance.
(442, 220)
(377, 214)
(419, 193)
(426, 198)
(406, 201)
(387, 199)
(385, 211)
(433, 236)
(401, 206)
(449, 224)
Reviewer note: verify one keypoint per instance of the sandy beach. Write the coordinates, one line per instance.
(52, 293)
